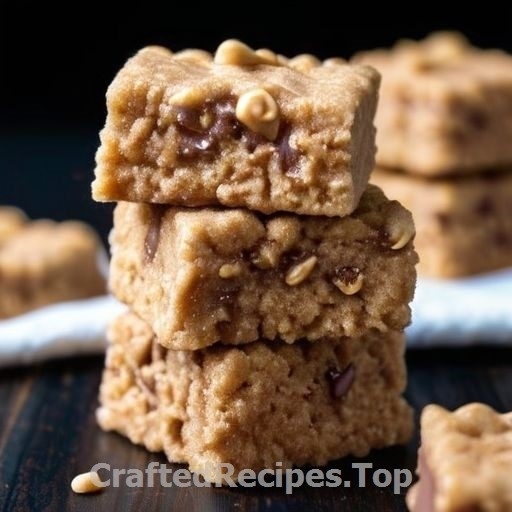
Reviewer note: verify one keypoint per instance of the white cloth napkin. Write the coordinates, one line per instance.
(462, 311)
(449, 313)
(65, 329)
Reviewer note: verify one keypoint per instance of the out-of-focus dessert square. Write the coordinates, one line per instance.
(43, 262)
(463, 224)
(445, 107)
(465, 461)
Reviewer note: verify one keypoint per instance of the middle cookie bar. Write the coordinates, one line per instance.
(199, 276)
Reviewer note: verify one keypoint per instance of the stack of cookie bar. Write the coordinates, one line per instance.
(444, 131)
(268, 284)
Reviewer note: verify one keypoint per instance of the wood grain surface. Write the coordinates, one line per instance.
(48, 434)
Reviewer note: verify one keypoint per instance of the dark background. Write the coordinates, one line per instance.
(56, 63)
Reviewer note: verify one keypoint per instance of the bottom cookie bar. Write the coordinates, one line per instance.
(256, 404)
(463, 225)
(465, 461)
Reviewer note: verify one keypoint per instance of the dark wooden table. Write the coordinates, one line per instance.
(48, 435)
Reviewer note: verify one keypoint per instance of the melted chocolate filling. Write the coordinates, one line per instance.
(202, 139)
(153, 234)
(340, 382)
(288, 157)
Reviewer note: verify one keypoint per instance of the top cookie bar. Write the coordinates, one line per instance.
(445, 107)
(241, 128)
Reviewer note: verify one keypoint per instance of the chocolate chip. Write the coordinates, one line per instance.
(148, 388)
(188, 118)
(288, 156)
(443, 219)
(405, 101)
(292, 258)
(193, 144)
(485, 207)
(252, 140)
(198, 140)
(153, 234)
(340, 382)
(477, 119)
(225, 123)
(379, 237)
(501, 239)
(347, 274)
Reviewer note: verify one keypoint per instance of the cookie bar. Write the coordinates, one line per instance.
(12, 221)
(444, 108)
(257, 404)
(465, 461)
(47, 262)
(463, 225)
(241, 129)
(199, 276)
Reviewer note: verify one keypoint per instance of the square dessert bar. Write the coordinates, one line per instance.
(199, 276)
(463, 224)
(257, 404)
(12, 221)
(240, 128)
(444, 108)
(465, 461)
(46, 262)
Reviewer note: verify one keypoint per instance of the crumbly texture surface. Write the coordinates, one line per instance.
(463, 224)
(466, 461)
(199, 276)
(192, 129)
(12, 221)
(47, 262)
(255, 405)
(444, 108)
